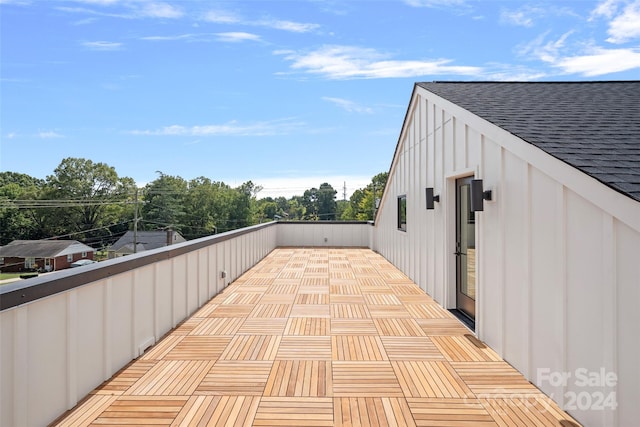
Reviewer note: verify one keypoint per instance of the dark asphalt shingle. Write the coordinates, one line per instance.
(593, 126)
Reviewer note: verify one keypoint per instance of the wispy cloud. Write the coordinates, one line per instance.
(434, 3)
(600, 61)
(625, 26)
(235, 37)
(233, 128)
(350, 62)
(349, 106)
(102, 45)
(127, 9)
(49, 135)
(225, 17)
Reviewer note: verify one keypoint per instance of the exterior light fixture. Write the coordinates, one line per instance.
(431, 198)
(478, 195)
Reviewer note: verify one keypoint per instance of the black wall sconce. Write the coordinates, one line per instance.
(431, 198)
(478, 195)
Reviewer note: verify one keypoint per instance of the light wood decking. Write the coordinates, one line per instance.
(319, 337)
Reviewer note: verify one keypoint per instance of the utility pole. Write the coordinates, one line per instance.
(135, 223)
(344, 191)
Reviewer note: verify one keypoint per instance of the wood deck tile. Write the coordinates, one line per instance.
(243, 298)
(127, 377)
(206, 310)
(304, 348)
(346, 299)
(395, 311)
(398, 327)
(381, 299)
(339, 287)
(450, 413)
(301, 378)
(218, 411)
(310, 326)
(428, 311)
(310, 310)
(171, 378)
(198, 348)
(365, 379)
(372, 411)
(312, 298)
(252, 347)
(161, 349)
(261, 326)
(460, 349)
(494, 379)
(88, 411)
(295, 411)
(142, 411)
(271, 310)
(430, 379)
(283, 289)
(411, 348)
(349, 311)
(187, 326)
(525, 411)
(232, 311)
(315, 281)
(353, 327)
(354, 347)
(218, 326)
(442, 326)
(231, 378)
(277, 298)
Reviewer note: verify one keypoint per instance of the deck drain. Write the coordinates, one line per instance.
(568, 423)
(475, 341)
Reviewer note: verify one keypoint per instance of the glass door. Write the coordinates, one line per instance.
(465, 249)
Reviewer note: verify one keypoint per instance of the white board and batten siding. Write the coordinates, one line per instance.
(558, 258)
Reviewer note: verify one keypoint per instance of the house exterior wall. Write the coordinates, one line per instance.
(557, 259)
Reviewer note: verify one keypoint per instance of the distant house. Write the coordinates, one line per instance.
(146, 240)
(42, 255)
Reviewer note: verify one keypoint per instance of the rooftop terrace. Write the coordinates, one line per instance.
(319, 337)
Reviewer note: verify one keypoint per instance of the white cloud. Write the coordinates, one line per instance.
(606, 8)
(298, 182)
(600, 62)
(294, 27)
(625, 26)
(49, 135)
(434, 3)
(235, 37)
(233, 128)
(516, 17)
(221, 17)
(102, 45)
(347, 105)
(160, 10)
(349, 62)
(225, 17)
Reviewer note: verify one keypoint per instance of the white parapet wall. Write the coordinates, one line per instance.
(324, 234)
(78, 327)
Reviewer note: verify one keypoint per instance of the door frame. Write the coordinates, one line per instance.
(448, 258)
(464, 303)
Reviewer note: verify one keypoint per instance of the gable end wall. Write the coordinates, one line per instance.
(558, 277)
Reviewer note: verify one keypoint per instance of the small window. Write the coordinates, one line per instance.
(70, 258)
(84, 254)
(29, 262)
(1, 260)
(402, 213)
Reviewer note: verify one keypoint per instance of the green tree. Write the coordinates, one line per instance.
(16, 222)
(98, 197)
(164, 202)
(362, 203)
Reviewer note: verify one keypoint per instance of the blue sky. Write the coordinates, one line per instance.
(288, 94)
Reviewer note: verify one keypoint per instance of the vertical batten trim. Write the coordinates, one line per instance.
(72, 349)
(108, 329)
(480, 279)
(157, 333)
(134, 347)
(610, 298)
(21, 366)
(501, 254)
(562, 244)
(528, 297)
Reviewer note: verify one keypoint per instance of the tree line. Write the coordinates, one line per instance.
(90, 202)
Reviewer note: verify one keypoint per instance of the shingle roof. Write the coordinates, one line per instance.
(42, 248)
(593, 126)
(147, 240)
